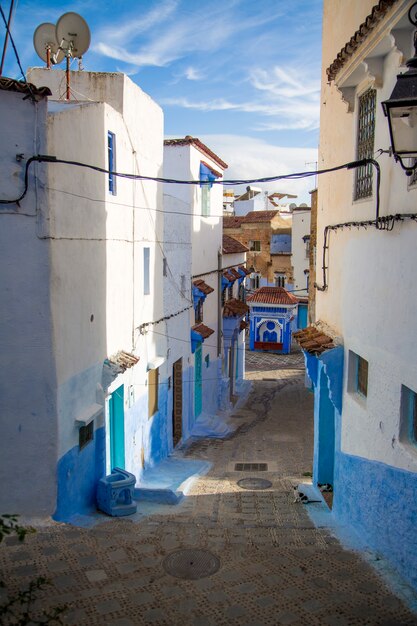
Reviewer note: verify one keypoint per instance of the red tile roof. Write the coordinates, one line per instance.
(245, 269)
(203, 330)
(229, 276)
(232, 246)
(313, 340)
(10, 84)
(235, 308)
(235, 273)
(272, 295)
(124, 360)
(377, 14)
(202, 286)
(249, 218)
(194, 141)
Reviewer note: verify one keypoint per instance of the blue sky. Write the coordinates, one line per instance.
(242, 75)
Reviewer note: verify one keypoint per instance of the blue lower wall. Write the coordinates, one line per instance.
(78, 473)
(379, 501)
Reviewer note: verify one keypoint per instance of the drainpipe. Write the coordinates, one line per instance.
(219, 302)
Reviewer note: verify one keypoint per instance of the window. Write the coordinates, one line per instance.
(365, 143)
(408, 427)
(164, 267)
(241, 292)
(205, 200)
(86, 434)
(153, 377)
(307, 243)
(207, 360)
(254, 281)
(111, 152)
(146, 271)
(358, 375)
(255, 246)
(279, 278)
(199, 312)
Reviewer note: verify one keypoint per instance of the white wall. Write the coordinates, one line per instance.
(299, 257)
(28, 453)
(371, 297)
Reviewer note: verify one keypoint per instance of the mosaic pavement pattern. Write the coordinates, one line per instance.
(276, 567)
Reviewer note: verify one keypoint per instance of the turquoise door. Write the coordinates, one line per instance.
(117, 428)
(198, 386)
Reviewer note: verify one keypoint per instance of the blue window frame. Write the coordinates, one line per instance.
(146, 271)
(111, 152)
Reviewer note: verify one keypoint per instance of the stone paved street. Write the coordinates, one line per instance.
(275, 566)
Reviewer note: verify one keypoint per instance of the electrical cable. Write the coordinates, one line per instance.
(15, 50)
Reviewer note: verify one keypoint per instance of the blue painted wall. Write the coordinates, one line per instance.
(302, 316)
(78, 473)
(273, 314)
(376, 500)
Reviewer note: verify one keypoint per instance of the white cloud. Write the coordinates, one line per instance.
(192, 73)
(250, 158)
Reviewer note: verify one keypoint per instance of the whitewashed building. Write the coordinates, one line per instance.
(361, 357)
(101, 284)
(300, 250)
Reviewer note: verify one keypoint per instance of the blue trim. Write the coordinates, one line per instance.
(197, 296)
(225, 283)
(196, 340)
(111, 151)
(206, 176)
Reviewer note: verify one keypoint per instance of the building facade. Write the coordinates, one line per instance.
(361, 353)
(272, 314)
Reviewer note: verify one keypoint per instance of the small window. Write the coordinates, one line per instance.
(365, 143)
(280, 278)
(254, 281)
(358, 375)
(86, 434)
(241, 292)
(146, 271)
(408, 432)
(164, 267)
(199, 312)
(153, 379)
(207, 360)
(205, 200)
(111, 151)
(255, 246)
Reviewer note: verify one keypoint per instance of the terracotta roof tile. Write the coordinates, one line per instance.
(203, 330)
(313, 340)
(244, 269)
(232, 222)
(243, 325)
(272, 295)
(124, 360)
(377, 14)
(10, 84)
(194, 141)
(235, 273)
(202, 286)
(231, 245)
(229, 276)
(235, 308)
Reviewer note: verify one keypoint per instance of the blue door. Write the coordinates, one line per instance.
(198, 386)
(117, 428)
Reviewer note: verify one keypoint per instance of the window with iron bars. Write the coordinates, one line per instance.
(365, 143)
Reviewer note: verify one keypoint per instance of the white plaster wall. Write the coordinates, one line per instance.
(28, 444)
(243, 207)
(371, 297)
(98, 241)
(299, 258)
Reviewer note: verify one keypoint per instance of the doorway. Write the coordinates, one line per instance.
(177, 401)
(198, 385)
(117, 428)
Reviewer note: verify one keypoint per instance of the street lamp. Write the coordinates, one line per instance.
(401, 110)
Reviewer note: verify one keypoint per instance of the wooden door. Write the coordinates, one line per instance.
(177, 401)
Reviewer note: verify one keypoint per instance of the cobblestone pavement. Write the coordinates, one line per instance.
(275, 566)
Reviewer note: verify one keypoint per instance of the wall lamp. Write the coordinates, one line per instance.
(401, 110)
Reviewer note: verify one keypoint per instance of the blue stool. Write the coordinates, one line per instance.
(115, 493)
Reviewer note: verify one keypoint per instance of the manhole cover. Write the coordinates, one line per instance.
(254, 483)
(191, 563)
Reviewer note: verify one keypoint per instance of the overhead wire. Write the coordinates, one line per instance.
(15, 49)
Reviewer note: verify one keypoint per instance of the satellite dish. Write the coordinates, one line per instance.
(44, 39)
(292, 206)
(73, 34)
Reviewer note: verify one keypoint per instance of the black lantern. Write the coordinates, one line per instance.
(401, 110)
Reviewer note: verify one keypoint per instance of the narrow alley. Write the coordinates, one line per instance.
(266, 560)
